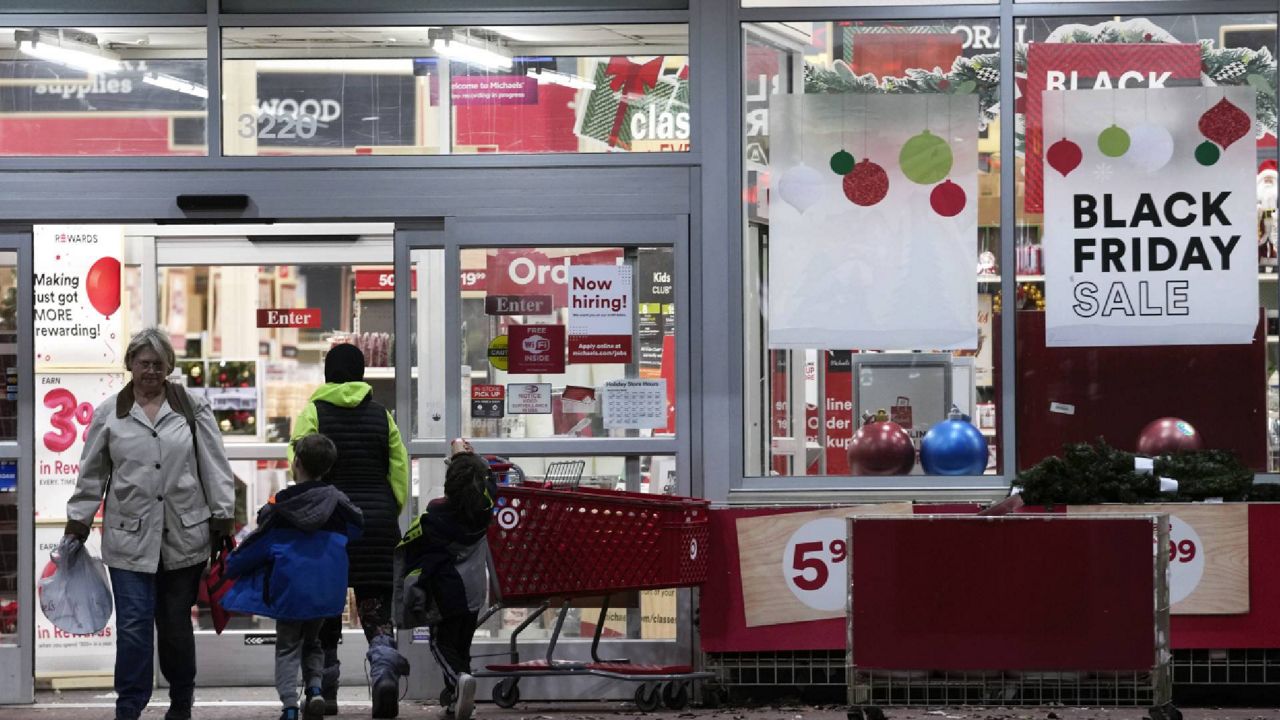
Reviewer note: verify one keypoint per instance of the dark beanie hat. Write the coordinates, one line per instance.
(343, 364)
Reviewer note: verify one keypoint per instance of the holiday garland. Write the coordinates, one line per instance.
(1088, 474)
(981, 74)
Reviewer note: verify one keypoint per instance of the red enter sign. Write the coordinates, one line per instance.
(289, 318)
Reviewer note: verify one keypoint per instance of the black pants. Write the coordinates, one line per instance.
(451, 646)
(373, 605)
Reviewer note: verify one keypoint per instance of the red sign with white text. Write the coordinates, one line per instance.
(1094, 66)
(375, 280)
(600, 348)
(289, 318)
(536, 349)
(532, 272)
(488, 392)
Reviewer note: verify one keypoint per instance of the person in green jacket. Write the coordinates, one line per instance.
(373, 470)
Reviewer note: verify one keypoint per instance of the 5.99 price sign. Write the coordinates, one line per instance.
(64, 409)
(814, 564)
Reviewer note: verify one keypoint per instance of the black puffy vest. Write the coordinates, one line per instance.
(362, 470)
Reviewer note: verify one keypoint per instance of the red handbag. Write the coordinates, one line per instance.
(216, 584)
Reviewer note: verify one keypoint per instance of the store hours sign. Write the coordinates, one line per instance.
(1149, 217)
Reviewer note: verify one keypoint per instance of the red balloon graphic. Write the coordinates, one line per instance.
(947, 199)
(102, 285)
(1064, 156)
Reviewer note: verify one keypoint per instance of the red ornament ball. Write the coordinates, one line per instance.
(1064, 156)
(1168, 435)
(1225, 123)
(947, 199)
(867, 184)
(881, 448)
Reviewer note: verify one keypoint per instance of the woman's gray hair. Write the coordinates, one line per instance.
(152, 338)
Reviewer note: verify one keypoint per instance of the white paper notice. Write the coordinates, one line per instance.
(635, 404)
(529, 399)
(600, 300)
(872, 259)
(77, 295)
(1153, 244)
(64, 408)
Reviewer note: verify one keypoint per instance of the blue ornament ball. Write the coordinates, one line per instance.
(953, 447)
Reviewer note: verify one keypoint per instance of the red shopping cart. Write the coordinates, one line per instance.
(551, 544)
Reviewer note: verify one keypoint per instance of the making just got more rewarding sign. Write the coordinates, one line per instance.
(1149, 217)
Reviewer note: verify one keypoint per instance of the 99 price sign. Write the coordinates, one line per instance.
(813, 564)
(1186, 559)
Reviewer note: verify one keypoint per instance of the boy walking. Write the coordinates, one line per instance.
(294, 568)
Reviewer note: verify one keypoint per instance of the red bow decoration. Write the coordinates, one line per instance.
(633, 80)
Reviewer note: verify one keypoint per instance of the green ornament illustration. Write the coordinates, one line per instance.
(1114, 141)
(925, 159)
(842, 163)
(1207, 153)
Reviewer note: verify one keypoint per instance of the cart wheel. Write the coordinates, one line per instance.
(648, 698)
(675, 695)
(506, 693)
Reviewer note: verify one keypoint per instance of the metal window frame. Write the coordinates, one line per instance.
(18, 661)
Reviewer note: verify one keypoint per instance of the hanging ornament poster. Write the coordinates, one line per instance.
(873, 222)
(78, 320)
(65, 402)
(1149, 217)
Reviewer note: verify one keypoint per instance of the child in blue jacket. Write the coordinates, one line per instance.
(444, 554)
(294, 568)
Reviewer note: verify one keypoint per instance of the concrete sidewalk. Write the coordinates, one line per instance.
(260, 703)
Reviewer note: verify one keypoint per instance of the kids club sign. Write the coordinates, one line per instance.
(1149, 207)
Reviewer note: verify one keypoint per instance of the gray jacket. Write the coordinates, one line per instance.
(157, 509)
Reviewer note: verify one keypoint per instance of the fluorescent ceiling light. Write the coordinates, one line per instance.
(62, 51)
(369, 66)
(559, 78)
(465, 52)
(169, 82)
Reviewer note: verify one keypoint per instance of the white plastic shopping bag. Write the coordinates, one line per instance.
(76, 597)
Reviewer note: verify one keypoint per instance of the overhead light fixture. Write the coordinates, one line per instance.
(74, 50)
(446, 45)
(559, 78)
(169, 82)
(363, 66)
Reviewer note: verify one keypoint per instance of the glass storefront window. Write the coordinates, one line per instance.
(1127, 328)
(872, 195)
(567, 342)
(430, 90)
(259, 375)
(105, 91)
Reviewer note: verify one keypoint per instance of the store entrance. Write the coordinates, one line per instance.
(251, 311)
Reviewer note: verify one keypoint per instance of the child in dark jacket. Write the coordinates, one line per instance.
(445, 552)
(294, 568)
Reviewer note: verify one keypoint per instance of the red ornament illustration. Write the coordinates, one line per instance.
(102, 285)
(1225, 123)
(948, 199)
(1064, 156)
(867, 184)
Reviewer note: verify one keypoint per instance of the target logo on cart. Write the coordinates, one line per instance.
(1186, 559)
(508, 517)
(813, 563)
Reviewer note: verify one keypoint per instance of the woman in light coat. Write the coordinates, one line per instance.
(154, 460)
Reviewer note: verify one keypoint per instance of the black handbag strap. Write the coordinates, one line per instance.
(178, 396)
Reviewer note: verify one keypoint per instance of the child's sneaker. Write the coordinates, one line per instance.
(466, 702)
(313, 707)
(290, 713)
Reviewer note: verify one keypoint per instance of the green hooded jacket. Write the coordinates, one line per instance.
(349, 395)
